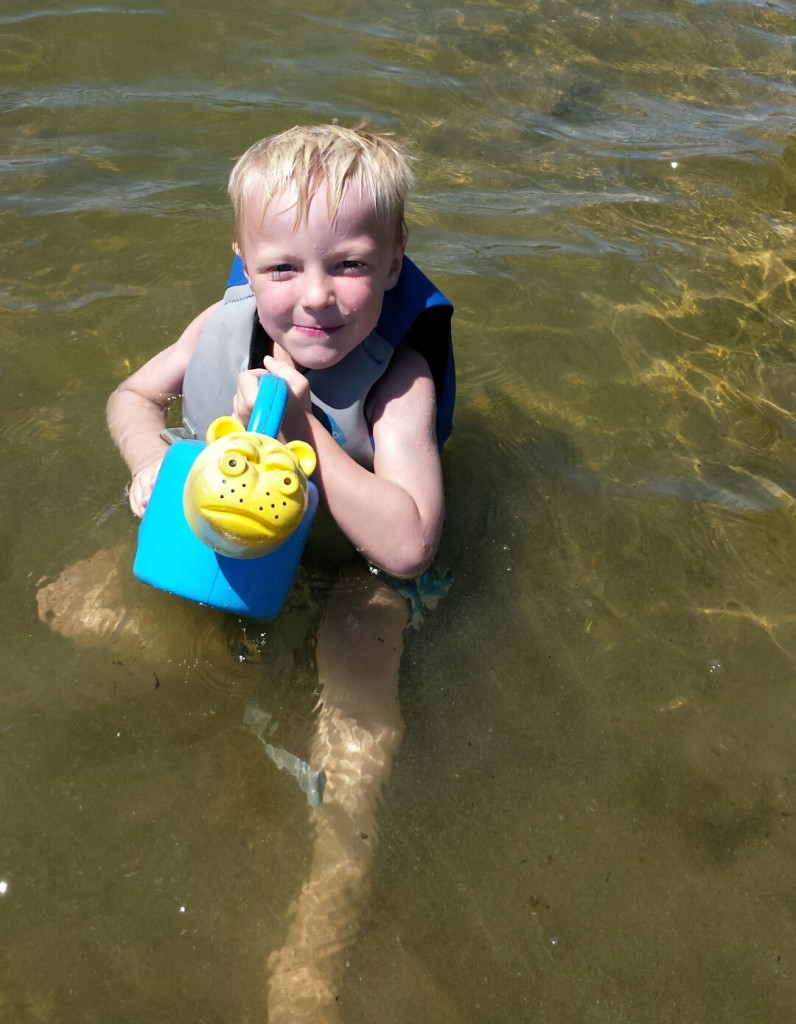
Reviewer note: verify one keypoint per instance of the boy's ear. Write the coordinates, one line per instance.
(236, 249)
(395, 267)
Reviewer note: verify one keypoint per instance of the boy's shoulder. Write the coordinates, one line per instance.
(406, 388)
(417, 314)
(408, 364)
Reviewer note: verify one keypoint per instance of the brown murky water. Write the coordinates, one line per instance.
(591, 813)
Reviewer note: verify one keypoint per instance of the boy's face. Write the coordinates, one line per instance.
(319, 288)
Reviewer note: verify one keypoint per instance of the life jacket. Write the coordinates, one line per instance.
(414, 312)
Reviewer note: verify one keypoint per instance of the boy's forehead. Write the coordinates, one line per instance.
(355, 210)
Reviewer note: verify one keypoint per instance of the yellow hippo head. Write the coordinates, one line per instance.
(246, 492)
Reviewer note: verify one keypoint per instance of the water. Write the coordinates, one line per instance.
(590, 817)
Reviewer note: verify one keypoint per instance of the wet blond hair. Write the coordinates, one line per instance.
(372, 163)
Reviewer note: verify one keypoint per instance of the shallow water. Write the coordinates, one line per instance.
(591, 815)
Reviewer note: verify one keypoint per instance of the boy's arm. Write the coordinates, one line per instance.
(136, 410)
(394, 514)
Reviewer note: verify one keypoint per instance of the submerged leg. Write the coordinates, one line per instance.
(358, 731)
(86, 602)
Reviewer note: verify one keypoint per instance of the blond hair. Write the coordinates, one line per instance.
(307, 158)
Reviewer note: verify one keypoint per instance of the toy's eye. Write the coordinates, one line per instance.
(233, 464)
(290, 484)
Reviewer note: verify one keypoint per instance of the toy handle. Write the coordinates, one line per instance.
(269, 407)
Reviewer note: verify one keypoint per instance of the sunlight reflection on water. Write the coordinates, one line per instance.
(590, 816)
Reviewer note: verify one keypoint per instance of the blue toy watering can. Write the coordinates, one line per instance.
(228, 519)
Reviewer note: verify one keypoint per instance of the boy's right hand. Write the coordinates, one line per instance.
(246, 395)
(141, 486)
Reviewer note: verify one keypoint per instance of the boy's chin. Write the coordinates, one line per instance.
(323, 364)
(316, 359)
(303, 358)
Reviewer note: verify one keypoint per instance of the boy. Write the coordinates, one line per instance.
(323, 297)
(320, 233)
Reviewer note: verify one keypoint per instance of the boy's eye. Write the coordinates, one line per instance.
(356, 266)
(281, 270)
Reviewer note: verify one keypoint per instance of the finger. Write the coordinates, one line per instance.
(275, 366)
(248, 386)
(289, 374)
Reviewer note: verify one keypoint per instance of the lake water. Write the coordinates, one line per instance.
(591, 816)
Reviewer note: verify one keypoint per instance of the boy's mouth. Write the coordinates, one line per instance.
(317, 330)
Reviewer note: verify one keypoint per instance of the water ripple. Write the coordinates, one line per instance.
(76, 12)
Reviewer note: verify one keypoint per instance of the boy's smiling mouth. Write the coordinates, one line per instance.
(317, 330)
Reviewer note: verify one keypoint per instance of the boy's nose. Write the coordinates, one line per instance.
(317, 291)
